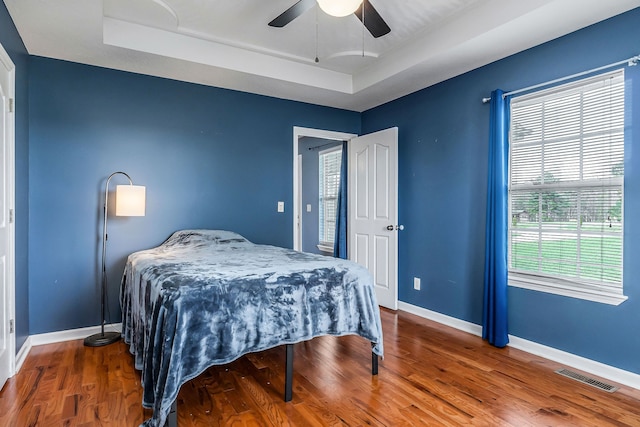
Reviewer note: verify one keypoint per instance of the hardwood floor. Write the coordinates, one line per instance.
(431, 375)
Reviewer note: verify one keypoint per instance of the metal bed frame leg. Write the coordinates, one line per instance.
(172, 419)
(374, 361)
(288, 374)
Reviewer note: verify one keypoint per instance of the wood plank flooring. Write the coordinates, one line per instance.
(431, 375)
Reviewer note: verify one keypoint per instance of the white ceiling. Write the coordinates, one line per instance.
(228, 43)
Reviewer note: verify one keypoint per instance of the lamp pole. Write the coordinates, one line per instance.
(104, 338)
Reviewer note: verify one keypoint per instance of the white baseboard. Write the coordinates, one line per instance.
(71, 334)
(578, 362)
(22, 354)
(462, 325)
(60, 336)
(611, 373)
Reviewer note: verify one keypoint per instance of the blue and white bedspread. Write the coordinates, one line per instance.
(206, 297)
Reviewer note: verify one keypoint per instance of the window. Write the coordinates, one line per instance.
(329, 163)
(566, 173)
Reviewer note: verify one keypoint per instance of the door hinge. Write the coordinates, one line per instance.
(10, 216)
(12, 326)
(11, 105)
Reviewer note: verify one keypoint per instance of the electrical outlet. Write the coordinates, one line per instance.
(280, 206)
(308, 207)
(416, 283)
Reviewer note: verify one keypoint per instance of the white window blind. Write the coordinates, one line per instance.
(566, 177)
(329, 165)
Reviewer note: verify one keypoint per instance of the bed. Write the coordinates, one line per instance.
(207, 297)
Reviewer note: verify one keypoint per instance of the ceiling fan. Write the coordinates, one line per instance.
(372, 19)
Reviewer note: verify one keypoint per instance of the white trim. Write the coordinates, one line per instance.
(300, 132)
(456, 323)
(630, 62)
(56, 337)
(6, 61)
(608, 372)
(297, 207)
(587, 365)
(330, 150)
(22, 354)
(557, 289)
(249, 59)
(71, 334)
(598, 289)
(325, 248)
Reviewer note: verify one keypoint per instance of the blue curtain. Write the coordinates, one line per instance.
(494, 318)
(340, 243)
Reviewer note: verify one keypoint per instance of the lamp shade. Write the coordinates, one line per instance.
(339, 8)
(130, 200)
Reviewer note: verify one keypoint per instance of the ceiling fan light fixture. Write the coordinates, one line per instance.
(339, 8)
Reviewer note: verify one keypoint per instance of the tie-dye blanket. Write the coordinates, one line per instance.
(206, 297)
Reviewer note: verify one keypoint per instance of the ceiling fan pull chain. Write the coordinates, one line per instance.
(363, 27)
(317, 60)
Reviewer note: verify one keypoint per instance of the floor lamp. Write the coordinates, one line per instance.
(130, 201)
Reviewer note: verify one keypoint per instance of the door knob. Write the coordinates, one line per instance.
(397, 227)
(390, 227)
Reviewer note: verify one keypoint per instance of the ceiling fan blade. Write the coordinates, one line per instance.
(292, 13)
(372, 20)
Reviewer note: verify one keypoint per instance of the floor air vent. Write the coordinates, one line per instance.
(590, 381)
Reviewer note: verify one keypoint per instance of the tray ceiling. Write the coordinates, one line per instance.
(229, 44)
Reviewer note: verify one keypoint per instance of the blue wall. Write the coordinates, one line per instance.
(209, 157)
(12, 43)
(443, 140)
(222, 159)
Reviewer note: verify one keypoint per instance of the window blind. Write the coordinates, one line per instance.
(566, 184)
(329, 165)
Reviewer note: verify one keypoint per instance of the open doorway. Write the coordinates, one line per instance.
(306, 187)
(372, 202)
(320, 166)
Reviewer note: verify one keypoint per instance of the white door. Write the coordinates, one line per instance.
(6, 203)
(373, 210)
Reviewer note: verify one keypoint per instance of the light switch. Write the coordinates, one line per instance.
(280, 206)
(309, 207)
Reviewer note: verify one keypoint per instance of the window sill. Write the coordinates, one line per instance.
(539, 284)
(325, 248)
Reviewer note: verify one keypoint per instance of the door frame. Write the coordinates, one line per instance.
(6, 62)
(301, 132)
